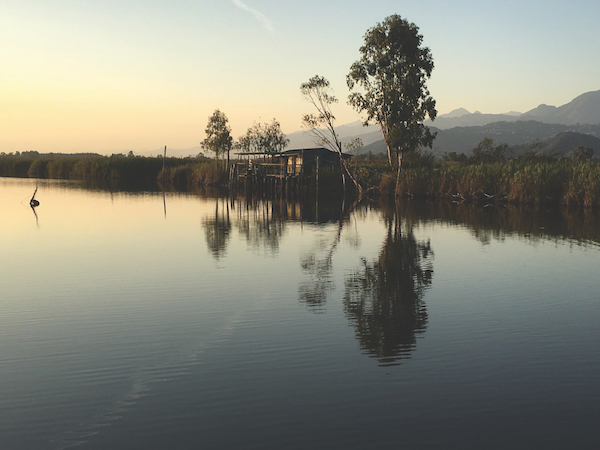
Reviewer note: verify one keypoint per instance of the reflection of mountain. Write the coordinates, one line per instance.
(384, 297)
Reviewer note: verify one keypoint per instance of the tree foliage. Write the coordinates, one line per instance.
(318, 92)
(582, 153)
(388, 84)
(354, 146)
(218, 135)
(266, 138)
(486, 152)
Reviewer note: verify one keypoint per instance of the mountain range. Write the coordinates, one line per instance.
(460, 131)
(584, 109)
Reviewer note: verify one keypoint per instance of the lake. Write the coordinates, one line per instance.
(143, 320)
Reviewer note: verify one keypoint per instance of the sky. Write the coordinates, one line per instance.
(111, 76)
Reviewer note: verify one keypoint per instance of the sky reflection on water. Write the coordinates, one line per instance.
(423, 325)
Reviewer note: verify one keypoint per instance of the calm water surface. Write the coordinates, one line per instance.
(141, 321)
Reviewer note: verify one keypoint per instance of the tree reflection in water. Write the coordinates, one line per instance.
(217, 230)
(262, 223)
(384, 297)
(317, 264)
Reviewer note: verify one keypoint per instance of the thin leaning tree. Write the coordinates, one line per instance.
(321, 125)
(388, 84)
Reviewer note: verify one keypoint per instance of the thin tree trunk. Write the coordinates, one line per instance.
(398, 174)
(385, 133)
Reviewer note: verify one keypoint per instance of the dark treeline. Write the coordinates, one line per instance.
(179, 172)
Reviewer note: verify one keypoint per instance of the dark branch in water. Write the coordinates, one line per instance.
(33, 202)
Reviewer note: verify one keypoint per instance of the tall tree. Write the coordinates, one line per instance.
(321, 125)
(388, 83)
(218, 135)
(266, 138)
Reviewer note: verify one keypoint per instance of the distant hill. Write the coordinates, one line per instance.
(446, 121)
(464, 139)
(584, 109)
(520, 136)
(370, 134)
(563, 144)
(460, 131)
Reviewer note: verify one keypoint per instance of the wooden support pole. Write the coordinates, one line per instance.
(163, 171)
(317, 176)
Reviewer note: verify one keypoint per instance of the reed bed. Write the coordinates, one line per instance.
(567, 182)
(561, 182)
(181, 172)
(204, 173)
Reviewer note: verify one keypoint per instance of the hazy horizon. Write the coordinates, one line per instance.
(112, 76)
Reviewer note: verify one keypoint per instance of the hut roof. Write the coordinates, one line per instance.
(293, 152)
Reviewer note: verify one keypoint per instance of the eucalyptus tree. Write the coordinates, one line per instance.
(388, 84)
(218, 135)
(318, 92)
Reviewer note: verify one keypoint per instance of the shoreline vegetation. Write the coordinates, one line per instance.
(524, 180)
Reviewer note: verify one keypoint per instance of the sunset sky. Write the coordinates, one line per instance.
(117, 75)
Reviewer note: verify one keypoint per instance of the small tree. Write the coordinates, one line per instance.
(354, 146)
(218, 135)
(389, 83)
(266, 138)
(582, 153)
(321, 125)
(485, 152)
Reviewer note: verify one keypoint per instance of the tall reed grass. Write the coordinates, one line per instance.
(562, 182)
(201, 173)
(181, 172)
